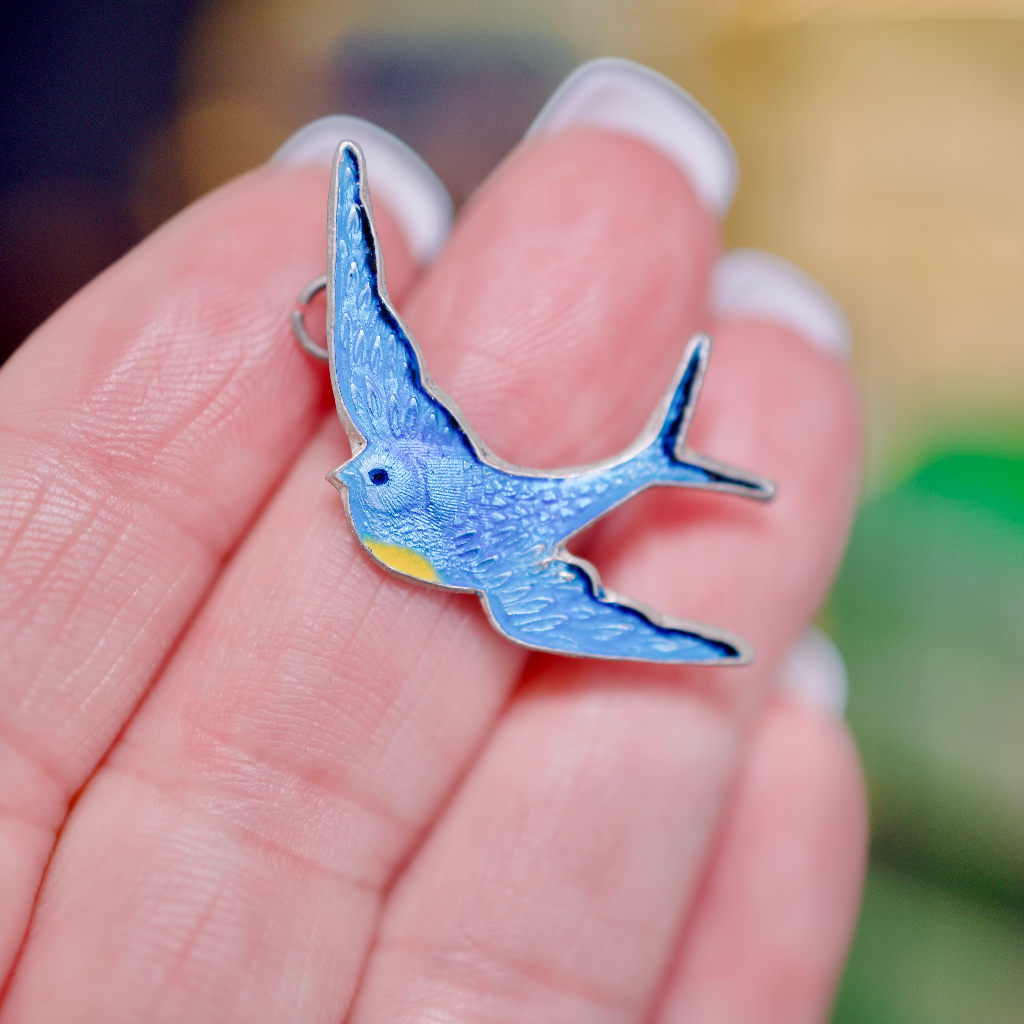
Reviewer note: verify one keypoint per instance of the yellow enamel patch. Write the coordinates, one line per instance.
(403, 560)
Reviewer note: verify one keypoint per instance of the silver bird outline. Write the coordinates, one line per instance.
(670, 418)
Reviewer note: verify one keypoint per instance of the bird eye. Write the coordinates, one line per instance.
(378, 476)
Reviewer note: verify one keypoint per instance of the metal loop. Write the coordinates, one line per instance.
(299, 324)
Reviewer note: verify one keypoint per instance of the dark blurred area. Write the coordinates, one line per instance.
(101, 117)
(83, 88)
(462, 104)
(882, 145)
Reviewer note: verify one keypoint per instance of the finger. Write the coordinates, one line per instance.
(141, 428)
(319, 711)
(769, 931)
(540, 893)
(557, 883)
(564, 868)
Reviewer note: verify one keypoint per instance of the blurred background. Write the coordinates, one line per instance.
(882, 148)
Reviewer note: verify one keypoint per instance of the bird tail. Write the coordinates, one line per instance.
(671, 420)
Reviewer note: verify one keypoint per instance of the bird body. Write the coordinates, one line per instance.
(428, 500)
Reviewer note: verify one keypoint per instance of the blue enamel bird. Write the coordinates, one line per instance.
(429, 500)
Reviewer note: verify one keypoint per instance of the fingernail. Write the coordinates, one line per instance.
(751, 283)
(629, 98)
(813, 673)
(414, 194)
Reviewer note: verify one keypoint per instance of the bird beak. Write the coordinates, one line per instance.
(336, 478)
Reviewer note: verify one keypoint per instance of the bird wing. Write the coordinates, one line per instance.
(561, 607)
(381, 386)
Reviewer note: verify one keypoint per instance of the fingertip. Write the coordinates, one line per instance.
(763, 286)
(814, 673)
(415, 195)
(628, 98)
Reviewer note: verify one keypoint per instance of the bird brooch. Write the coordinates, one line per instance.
(430, 501)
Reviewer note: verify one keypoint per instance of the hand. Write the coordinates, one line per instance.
(247, 776)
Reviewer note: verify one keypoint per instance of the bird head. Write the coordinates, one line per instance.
(387, 500)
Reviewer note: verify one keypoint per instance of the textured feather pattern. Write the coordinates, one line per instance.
(374, 362)
(428, 500)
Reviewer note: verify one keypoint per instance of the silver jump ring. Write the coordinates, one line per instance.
(299, 324)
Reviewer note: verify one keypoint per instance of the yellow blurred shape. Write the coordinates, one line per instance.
(777, 12)
(886, 157)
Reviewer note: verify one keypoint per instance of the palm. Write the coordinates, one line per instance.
(312, 790)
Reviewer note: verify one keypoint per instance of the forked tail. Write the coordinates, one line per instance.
(673, 416)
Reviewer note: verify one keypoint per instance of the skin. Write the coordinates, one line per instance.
(246, 775)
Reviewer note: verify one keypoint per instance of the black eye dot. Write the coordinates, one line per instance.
(378, 476)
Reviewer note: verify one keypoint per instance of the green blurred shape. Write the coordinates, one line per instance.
(925, 954)
(928, 612)
(979, 480)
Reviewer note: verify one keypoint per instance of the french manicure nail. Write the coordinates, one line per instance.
(751, 283)
(813, 673)
(627, 97)
(414, 194)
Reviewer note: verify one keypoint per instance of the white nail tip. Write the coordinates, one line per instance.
(399, 175)
(626, 97)
(813, 672)
(748, 282)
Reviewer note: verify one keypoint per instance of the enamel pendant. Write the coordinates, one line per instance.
(428, 500)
